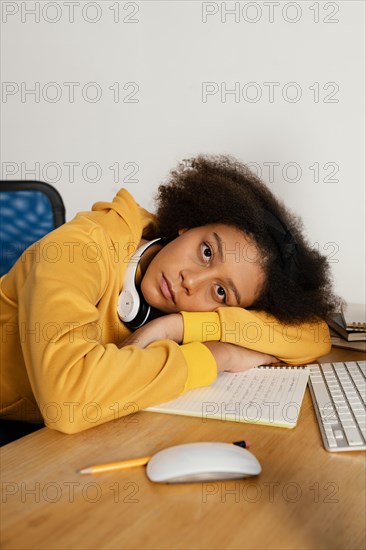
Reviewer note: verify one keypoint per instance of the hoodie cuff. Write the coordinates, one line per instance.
(201, 326)
(201, 365)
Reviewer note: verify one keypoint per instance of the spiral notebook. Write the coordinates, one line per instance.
(262, 395)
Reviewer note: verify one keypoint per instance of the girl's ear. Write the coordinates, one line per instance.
(181, 231)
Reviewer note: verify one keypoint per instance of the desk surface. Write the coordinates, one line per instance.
(304, 498)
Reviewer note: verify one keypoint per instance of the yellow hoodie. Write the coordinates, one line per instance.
(60, 331)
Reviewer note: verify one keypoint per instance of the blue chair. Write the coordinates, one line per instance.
(28, 211)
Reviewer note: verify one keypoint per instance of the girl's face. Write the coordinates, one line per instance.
(202, 269)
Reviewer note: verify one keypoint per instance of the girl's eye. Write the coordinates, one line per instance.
(206, 252)
(221, 293)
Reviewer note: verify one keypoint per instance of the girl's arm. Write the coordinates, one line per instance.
(254, 330)
(228, 357)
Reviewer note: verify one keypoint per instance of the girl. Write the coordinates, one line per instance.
(233, 282)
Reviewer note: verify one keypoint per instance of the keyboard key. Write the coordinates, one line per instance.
(329, 421)
(357, 407)
(322, 395)
(332, 442)
(353, 436)
(343, 408)
(351, 393)
(345, 416)
(348, 424)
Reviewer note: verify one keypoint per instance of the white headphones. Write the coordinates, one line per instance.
(132, 308)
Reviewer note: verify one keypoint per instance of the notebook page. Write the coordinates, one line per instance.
(263, 395)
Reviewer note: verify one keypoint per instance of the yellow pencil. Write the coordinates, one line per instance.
(121, 465)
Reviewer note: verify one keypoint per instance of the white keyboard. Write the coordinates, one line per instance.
(338, 391)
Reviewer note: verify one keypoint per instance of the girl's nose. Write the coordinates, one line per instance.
(192, 280)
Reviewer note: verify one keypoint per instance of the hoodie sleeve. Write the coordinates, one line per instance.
(259, 331)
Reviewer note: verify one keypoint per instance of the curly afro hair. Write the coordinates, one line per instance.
(219, 189)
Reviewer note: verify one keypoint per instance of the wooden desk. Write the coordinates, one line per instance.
(305, 497)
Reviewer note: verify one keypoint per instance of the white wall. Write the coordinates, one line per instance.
(313, 128)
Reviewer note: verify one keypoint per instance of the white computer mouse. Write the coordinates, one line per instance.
(202, 462)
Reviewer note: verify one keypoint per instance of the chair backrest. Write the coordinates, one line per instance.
(28, 211)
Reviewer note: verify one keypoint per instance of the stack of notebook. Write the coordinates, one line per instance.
(348, 327)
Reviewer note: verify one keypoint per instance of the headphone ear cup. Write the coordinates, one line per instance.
(142, 315)
(132, 308)
(145, 313)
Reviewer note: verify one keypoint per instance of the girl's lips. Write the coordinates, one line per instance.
(164, 287)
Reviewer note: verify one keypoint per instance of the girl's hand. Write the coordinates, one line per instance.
(233, 358)
(168, 327)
